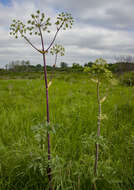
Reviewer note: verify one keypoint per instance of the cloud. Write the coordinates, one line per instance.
(102, 29)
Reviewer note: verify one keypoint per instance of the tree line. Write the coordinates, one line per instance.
(122, 64)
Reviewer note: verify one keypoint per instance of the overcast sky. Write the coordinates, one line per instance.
(102, 28)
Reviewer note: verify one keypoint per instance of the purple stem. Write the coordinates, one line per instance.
(98, 135)
(47, 104)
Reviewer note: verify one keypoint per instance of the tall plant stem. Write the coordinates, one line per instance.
(47, 108)
(54, 65)
(55, 60)
(48, 120)
(98, 134)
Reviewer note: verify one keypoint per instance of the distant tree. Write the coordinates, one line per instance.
(89, 64)
(6, 67)
(27, 63)
(18, 66)
(2, 70)
(113, 67)
(49, 68)
(124, 59)
(39, 67)
(63, 65)
(124, 63)
(77, 67)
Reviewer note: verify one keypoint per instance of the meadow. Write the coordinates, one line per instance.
(73, 127)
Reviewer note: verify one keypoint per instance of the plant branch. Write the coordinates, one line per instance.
(42, 41)
(31, 44)
(58, 29)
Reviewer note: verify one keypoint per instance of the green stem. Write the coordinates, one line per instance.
(98, 133)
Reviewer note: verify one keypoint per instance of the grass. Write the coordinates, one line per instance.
(73, 115)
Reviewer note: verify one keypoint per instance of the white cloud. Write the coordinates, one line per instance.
(102, 29)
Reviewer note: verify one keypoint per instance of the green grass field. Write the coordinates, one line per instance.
(73, 116)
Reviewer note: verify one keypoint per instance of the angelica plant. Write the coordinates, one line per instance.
(99, 74)
(38, 25)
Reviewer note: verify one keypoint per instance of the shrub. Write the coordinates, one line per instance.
(127, 79)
